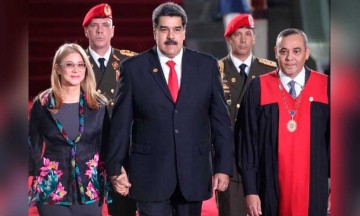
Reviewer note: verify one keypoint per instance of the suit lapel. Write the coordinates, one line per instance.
(158, 74)
(187, 68)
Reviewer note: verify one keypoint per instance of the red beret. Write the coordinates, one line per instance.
(98, 11)
(242, 20)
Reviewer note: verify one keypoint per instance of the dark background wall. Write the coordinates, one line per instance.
(52, 23)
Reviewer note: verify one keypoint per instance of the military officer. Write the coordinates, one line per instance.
(99, 29)
(237, 70)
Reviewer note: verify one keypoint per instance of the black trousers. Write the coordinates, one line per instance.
(121, 206)
(177, 205)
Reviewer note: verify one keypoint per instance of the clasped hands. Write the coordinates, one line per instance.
(121, 183)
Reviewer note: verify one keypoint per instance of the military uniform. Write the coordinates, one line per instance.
(235, 85)
(106, 82)
(231, 202)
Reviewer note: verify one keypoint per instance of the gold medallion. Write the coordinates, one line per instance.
(291, 125)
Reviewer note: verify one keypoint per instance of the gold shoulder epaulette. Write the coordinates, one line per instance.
(267, 62)
(127, 53)
(221, 68)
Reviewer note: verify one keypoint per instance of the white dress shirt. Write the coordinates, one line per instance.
(237, 62)
(97, 56)
(166, 69)
(299, 81)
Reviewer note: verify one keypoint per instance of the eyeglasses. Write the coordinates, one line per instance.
(71, 65)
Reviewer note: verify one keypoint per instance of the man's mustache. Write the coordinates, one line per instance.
(170, 42)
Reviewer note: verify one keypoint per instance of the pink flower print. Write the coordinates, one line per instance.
(89, 172)
(91, 192)
(93, 162)
(59, 193)
(59, 173)
(50, 165)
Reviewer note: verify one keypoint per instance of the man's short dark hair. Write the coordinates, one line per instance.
(291, 31)
(168, 9)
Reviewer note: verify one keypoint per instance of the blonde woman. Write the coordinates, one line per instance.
(67, 129)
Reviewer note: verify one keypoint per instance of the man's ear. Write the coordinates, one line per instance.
(275, 50)
(154, 33)
(227, 39)
(307, 53)
(86, 32)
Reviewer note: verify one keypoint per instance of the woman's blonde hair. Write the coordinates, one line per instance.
(88, 85)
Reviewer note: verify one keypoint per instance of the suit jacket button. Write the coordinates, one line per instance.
(176, 131)
(238, 106)
(176, 111)
(99, 91)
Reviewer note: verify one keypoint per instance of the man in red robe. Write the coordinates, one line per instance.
(283, 149)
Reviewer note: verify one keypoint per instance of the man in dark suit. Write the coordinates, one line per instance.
(237, 70)
(99, 29)
(170, 102)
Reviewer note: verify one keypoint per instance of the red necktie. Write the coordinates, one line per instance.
(173, 80)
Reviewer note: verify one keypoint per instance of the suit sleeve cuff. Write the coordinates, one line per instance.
(113, 171)
(249, 182)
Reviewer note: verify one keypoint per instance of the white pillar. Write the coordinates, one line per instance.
(261, 31)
